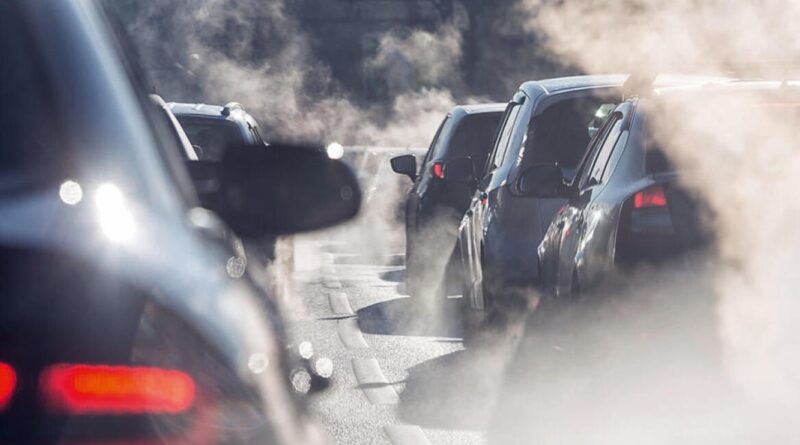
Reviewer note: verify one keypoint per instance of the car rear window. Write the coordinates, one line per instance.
(474, 137)
(561, 134)
(213, 137)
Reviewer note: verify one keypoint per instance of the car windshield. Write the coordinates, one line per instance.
(212, 137)
(474, 137)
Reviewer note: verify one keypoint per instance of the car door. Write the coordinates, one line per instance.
(477, 213)
(582, 215)
(423, 179)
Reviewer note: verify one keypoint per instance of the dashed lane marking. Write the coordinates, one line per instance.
(340, 305)
(332, 284)
(406, 435)
(370, 378)
(350, 333)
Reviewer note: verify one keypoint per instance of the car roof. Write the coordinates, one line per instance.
(559, 85)
(567, 84)
(232, 112)
(482, 108)
(203, 110)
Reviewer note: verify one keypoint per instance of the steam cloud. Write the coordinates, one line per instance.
(253, 52)
(638, 371)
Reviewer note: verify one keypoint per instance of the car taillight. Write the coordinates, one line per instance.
(438, 170)
(99, 389)
(8, 381)
(650, 197)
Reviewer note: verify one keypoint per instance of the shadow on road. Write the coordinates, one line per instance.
(403, 316)
(396, 276)
(452, 391)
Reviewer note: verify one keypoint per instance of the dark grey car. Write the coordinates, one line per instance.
(436, 203)
(546, 121)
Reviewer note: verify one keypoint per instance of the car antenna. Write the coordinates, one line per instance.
(226, 110)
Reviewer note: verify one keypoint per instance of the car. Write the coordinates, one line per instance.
(547, 120)
(628, 205)
(436, 203)
(121, 320)
(213, 128)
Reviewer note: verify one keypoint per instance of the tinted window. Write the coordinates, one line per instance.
(505, 136)
(604, 153)
(585, 166)
(474, 137)
(561, 134)
(616, 153)
(213, 137)
(438, 140)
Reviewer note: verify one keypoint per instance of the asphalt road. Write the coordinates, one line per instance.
(401, 376)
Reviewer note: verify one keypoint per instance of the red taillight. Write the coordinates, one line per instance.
(438, 170)
(650, 197)
(8, 381)
(97, 389)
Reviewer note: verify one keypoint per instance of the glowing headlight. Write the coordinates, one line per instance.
(335, 150)
(115, 219)
(70, 192)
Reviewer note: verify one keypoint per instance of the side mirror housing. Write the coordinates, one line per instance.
(277, 190)
(460, 170)
(542, 181)
(405, 165)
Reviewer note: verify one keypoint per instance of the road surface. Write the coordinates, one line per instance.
(399, 378)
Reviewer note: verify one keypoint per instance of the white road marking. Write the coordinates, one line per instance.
(376, 388)
(350, 334)
(406, 435)
(340, 305)
(332, 284)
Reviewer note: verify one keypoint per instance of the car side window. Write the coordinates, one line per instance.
(585, 166)
(501, 148)
(616, 152)
(606, 146)
(435, 143)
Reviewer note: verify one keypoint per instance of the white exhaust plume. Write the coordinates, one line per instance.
(651, 363)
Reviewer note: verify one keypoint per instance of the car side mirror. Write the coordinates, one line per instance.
(460, 170)
(542, 181)
(405, 165)
(277, 190)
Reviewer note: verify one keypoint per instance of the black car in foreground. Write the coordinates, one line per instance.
(436, 203)
(120, 318)
(546, 121)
